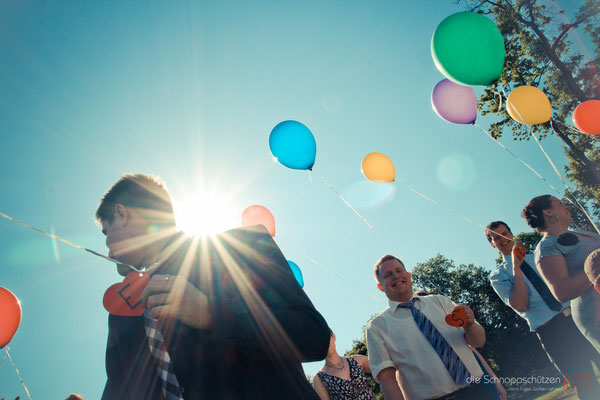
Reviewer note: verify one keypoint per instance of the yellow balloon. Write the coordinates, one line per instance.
(377, 167)
(529, 105)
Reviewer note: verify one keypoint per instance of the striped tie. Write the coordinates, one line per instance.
(169, 384)
(457, 369)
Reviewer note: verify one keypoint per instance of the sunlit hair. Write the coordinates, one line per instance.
(383, 259)
(147, 193)
(533, 212)
(492, 227)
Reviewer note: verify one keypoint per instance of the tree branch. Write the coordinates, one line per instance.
(582, 18)
(591, 171)
(566, 73)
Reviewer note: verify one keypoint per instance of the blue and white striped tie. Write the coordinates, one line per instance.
(457, 369)
(168, 381)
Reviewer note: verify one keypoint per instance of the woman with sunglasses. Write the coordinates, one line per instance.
(560, 258)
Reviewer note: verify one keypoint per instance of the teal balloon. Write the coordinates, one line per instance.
(468, 49)
(297, 273)
(293, 145)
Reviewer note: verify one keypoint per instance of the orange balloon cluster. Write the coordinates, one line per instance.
(529, 105)
(10, 316)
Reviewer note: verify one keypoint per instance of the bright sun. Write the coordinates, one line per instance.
(205, 215)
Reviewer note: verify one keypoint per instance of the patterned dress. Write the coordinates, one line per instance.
(355, 388)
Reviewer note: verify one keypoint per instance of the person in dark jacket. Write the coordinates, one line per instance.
(224, 316)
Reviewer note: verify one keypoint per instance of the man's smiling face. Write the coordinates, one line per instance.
(502, 239)
(394, 281)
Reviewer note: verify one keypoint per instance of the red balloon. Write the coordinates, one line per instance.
(586, 117)
(259, 215)
(10, 316)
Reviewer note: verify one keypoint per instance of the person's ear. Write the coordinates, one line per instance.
(379, 287)
(409, 276)
(121, 214)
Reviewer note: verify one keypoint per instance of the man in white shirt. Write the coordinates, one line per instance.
(406, 354)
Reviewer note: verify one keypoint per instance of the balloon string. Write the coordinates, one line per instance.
(342, 301)
(572, 128)
(67, 242)
(513, 154)
(554, 167)
(494, 88)
(399, 254)
(425, 197)
(18, 374)
(330, 271)
(458, 214)
(449, 209)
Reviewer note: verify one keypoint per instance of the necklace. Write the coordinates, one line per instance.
(334, 367)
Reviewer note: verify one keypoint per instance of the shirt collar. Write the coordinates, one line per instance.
(393, 305)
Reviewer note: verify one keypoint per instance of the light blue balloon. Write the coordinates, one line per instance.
(297, 273)
(293, 145)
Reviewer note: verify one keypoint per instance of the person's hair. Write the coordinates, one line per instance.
(533, 212)
(492, 226)
(147, 193)
(75, 397)
(383, 259)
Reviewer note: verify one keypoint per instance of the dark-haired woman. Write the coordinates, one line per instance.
(560, 257)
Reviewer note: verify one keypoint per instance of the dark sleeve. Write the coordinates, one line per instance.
(114, 375)
(130, 368)
(268, 310)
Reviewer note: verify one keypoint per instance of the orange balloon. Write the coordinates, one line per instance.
(377, 167)
(10, 316)
(259, 215)
(529, 105)
(586, 117)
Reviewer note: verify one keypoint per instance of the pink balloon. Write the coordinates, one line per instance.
(259, 215)
(454, 103)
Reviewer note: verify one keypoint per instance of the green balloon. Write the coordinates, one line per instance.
(468, 49)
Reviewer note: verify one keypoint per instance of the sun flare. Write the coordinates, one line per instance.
(205, 215)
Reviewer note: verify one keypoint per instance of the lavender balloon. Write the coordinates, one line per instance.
(455, 103)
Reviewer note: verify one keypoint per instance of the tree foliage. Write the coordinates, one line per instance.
(540, 51)
(529, 240)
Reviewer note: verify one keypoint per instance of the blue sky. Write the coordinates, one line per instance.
(190, 91)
